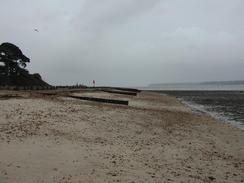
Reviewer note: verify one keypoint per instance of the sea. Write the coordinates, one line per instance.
(221, 101)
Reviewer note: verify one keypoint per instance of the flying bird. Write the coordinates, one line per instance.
(36, 30)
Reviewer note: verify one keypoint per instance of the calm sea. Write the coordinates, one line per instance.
(224, 102)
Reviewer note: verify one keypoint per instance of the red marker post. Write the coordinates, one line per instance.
(94, 83)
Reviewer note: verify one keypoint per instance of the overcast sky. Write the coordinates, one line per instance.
(128, 42)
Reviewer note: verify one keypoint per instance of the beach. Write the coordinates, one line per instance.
(55, 138)
(226, 105)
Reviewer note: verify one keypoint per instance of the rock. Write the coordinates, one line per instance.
(211, 178)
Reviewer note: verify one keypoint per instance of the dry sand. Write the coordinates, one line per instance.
(154, 139)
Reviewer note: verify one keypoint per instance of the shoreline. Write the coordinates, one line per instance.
(226, 106)
(154, 139)
(200, 108)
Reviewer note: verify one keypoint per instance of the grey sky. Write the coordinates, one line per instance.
(128, 42)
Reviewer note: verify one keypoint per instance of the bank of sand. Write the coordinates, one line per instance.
(154, 139)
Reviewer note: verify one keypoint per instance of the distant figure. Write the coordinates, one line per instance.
(94, 83)
(36, 30)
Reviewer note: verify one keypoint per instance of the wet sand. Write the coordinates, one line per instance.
(227, 106)
(154, 139)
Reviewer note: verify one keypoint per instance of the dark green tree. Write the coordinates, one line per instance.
(12, 60)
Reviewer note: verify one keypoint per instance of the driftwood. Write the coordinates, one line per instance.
(103, 100)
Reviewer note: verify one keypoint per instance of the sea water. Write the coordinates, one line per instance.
(224, 102)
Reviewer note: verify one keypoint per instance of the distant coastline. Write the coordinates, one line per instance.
(236, 82)
(201, 86)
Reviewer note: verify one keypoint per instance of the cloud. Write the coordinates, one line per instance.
(128, 42)
(102, 14)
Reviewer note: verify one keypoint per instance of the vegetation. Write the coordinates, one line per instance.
(13, 61)
(12, 68)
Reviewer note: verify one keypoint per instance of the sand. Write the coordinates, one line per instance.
(154, 139)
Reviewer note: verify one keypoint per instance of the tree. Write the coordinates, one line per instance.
(12, 59)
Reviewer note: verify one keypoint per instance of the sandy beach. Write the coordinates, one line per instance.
(154, 139)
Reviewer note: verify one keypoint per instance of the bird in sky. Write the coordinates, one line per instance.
(36, 30)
